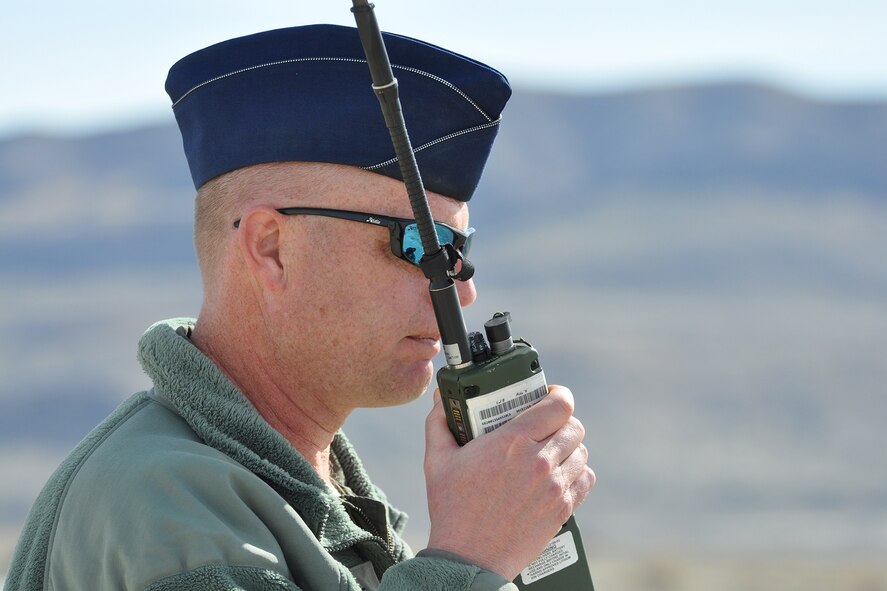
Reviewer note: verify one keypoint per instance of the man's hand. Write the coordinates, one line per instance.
(500, 499)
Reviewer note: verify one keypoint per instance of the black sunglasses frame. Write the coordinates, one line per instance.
(396, 226)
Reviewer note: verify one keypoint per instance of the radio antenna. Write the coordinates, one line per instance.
(438, 263)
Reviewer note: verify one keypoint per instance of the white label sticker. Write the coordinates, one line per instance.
(559, 554)
(453, 354)
(490, 411)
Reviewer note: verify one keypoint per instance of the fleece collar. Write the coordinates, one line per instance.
(226, 420)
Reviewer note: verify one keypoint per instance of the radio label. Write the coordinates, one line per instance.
(559, 554)
(489, 412)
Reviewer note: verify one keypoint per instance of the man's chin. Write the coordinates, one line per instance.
(412, 383)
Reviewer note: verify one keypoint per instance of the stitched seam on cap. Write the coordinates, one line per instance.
(448, 84)
(437, 79)
(439, 140)
(269, 64)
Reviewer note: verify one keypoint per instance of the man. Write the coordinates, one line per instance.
(232, 471)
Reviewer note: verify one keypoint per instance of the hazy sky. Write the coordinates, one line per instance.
(95, 64)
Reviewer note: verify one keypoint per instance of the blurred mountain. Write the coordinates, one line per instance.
(696, 138)
(704, 266)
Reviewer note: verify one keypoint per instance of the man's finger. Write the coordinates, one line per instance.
(575, 464)
(546, 417)
(560, 446)
(580, 487)
(438, 438)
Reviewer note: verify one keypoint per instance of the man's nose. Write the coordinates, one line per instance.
(467, 292)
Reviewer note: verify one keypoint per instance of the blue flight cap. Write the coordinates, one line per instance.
(304, 94)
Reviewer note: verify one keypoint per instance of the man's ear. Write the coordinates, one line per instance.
(259, 242)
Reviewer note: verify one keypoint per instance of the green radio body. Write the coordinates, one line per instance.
(483, 395)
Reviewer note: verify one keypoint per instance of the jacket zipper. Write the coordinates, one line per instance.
(387, 542)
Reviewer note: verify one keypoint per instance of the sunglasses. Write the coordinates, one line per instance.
(406, 243)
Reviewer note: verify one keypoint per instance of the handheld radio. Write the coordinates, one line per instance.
(487, 381)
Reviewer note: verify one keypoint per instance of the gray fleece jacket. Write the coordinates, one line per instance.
(185, 486)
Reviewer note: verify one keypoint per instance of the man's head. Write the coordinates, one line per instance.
(287, 119)
(327, 297)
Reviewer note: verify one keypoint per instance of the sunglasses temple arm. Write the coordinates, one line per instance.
(436, 264)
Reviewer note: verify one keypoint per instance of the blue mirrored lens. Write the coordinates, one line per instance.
(412, 242)
(444, 234)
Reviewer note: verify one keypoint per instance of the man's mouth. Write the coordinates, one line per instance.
(432, 342)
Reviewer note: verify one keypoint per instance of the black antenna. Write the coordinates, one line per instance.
(438, 263)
